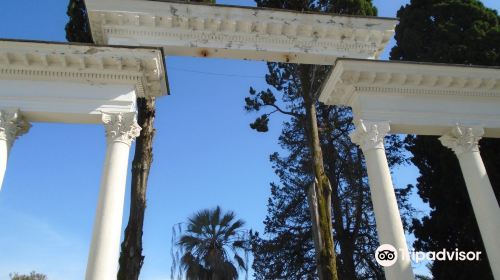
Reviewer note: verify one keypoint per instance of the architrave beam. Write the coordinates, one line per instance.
(75, 83)
(205, 30)
(417, 98)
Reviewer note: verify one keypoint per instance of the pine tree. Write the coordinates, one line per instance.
(449, 31)
(289, 251)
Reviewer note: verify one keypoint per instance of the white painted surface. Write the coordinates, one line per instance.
(202, 30)
(464, 142)
(105, 245)
(417, 98)
(66, 102)
(4, 155)
(50, 82)
(143, 68)
(427, 99)
(370, 137)
(12, 125)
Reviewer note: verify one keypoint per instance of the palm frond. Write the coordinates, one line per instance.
(209, 241)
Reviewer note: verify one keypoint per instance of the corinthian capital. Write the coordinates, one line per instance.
(463, 139)
(121, 127)
(370, 135)
(12, 125)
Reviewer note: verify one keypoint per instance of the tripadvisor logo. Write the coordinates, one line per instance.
(386, 255)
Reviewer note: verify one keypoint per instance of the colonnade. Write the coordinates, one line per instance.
(464, 142)
(121, 130)
(288, 37)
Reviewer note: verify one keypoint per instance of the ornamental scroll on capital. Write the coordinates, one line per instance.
(121, 127)
(370, 135)
(463, 139)
(12, 125)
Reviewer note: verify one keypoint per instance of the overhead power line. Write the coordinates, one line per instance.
(215, 73)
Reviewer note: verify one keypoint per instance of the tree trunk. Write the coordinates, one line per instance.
(131, 258)
(343, 236)
(327, 266)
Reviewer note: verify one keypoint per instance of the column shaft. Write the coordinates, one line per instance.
(464, 142)
(104, 249)
(4, 155)
(389, 226)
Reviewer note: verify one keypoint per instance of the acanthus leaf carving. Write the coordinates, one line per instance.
(121, 127)
(370, 135)
(12, 125)
(463, 139)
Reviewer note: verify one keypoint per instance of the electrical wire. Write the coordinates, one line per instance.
(215, 73)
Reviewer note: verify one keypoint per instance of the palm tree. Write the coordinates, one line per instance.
(213, 242)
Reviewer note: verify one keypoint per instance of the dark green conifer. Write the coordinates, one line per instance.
(460, 32)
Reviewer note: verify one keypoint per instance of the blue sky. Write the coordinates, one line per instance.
(205, 155)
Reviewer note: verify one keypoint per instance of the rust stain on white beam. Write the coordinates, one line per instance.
(199, 30)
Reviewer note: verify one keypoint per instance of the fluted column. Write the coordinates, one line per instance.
(12, 125)
(121, 130)
(370, 137)
(464, 142)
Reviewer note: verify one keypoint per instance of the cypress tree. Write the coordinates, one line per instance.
(449, 31)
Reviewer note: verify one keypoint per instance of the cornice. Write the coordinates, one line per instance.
(237, 28)
(84, 63)
(404, 79)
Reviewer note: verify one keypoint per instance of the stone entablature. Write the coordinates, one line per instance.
(417, 98)
(52, 82)
(25, 60)
(238, 32)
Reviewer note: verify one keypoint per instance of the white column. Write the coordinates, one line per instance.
(121, 130)
(464, 142)
(370, 137)
(12, 125)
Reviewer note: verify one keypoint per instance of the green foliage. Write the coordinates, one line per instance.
(78, 28)
(286, 249)
(449, 31)
(32, 276)
(350, 7)
(211, 246)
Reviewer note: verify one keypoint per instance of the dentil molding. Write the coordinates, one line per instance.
(74, 83)
(239, 32)
(406, 78)
(417, 98)
(143, 67)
